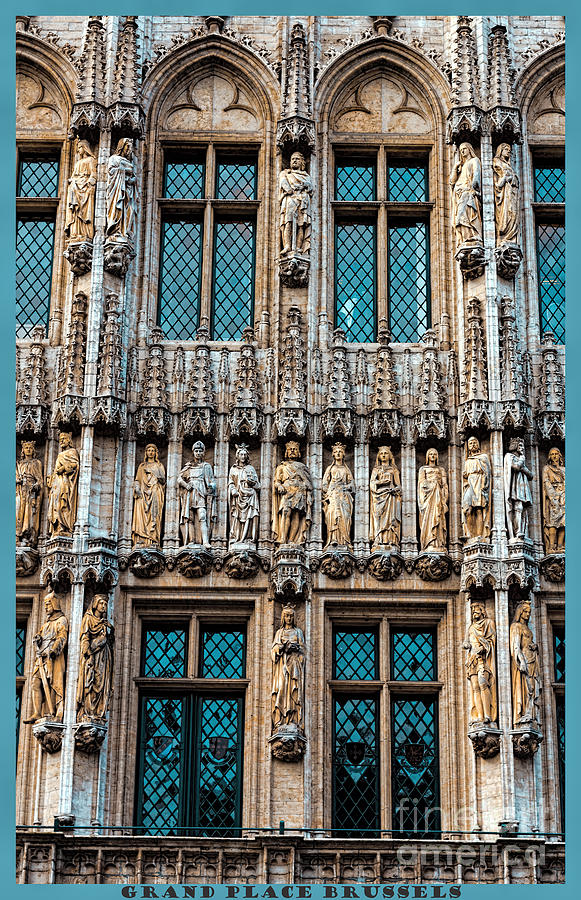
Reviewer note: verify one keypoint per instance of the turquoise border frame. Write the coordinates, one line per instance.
(259, 7)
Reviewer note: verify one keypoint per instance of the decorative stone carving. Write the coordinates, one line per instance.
(153, 415)
(291, 416)
(245, 415)
(289, 574)
(295, 191)
(338, 489)
(553, 502)
(337, 564)
(292, 498)
(433, 566)
(553, 567)
(466, 180)
(433, 504)
(124, 115)
(146, 562)
(74, 364)
(503, 118)
(526, 743)
(194, 561)
(197, 496)
(63, 488)
(29, 490)
(243, 501)
(508, 259)
(517, 492)
(79, 226)
(430, 419)
(551, 415)
(88, 113)
(476, 493)
(47, 682)
(121, 204)
(465, 118)
(27, 560)
(149, 497)
(32, 407)
(95, 679)
(480, 642)
(296, 127)
(485, 741)
(288, 688)
(385, 503)
(525, 669)
(385, 565)
(89, 736)
(243, 564)
(338, 417)
(49, 734)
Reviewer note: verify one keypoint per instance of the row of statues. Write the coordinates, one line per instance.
(466, 184)
(292, 498)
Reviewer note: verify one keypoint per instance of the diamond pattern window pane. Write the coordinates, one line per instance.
(561, 752)
(236, 181)
(408, 281)
(218, 794)
(414, 765)
(179, 283)
(551, 263)
(38, 177)
(34, 248)
(355, 280)
(18, 710)
(355, 182)
(222, 654)
(162, 755)
(559, 637)
(406, 184)
(164, 654)
(20, 648)
(356, 655)
(184, 179)
(355, 767)
(233, 279)
(550, 184)
(412, 656)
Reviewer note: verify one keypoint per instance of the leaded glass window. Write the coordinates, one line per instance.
(233, 294)
(179, 282)
(163, 764)
(184, 178)
(559, 649)
(406, 184)
(38, 176)
(549, 183)
(218, 793)
(355, 181)
(560, 708)
(164, 652)
(414, 766)
(356, 655)
(34, 255)
(20, 648)
(355, 767)
(355, 274)
(408, 281)
(551, 268)
(236, 180)
(413, 656)
(223, 654)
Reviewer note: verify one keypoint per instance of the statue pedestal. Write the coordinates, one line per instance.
(27, 560)
(90, 734)
(485, 739)
(433, 566)
(552, 566)
(146, 562)
(385, 565)
(337, 561)
(288, 743)
(508, 259)
(294, 268)
(117, 256)
(526, 740)
(471, 259)
(49, 734)
(242, 561)
(79, 255)
(194, 560)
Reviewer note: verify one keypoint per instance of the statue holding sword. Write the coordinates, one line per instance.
(48, 676)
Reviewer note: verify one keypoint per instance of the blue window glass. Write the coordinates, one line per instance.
(38, 176)
(551, 268)
(407, 184)
(20, 648)
(549, 183)
(560, 708)
(34, 254)
(164, 652)
(233, 296)
(223, 654)
(355, 767)
(559, 650)
(414, 766)
(219, 766)
(184, 179)
(355, 291)
(163, 764)
(355, 182)
(408, 281)
(413, 656)
(179, 283)
(236, 180)
(356, 655)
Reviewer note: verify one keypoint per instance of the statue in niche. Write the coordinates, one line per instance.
(295, 191)
(465, 180)
(517, 492)
(243, 487)
(292, 498)
(47, 683)
(63, 486)
(554, 502)
(81, 195)
(385, 505)
(338, 490)
(96, 665)
(121, 192)
(197, 493)
(433, 504)
(149, 496)
(476, 483)
(481, 666)
(288, 673)
(29, 485)
(506, 196)
(525, 669)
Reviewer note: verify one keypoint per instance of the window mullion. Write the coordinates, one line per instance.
(381, 264)
(207, 250)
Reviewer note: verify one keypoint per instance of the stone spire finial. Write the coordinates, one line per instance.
(88, 113)
(293, 385)
(385, 389)
(74, 381)
(246, 381)
(109, 377)
(125, 115)
(475, 371)
(510, 357)
(552, 392)
(503, 113)
(465, 69)
(154, 383)
(296, 127)
(339, 388)
(431, 389)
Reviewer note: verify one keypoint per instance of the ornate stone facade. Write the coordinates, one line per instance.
(238, 492)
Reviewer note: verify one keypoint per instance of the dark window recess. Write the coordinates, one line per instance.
(184, 179)
(551, 267)
(223, 654)
(408, 281)
(38, 176)
(356, 655)
(164, 653)
(34, 255)
(219, 748)
(236, 180)
(233, 293)
(414, 767)
(559, 648)
(355, 182)
(549, 183)
(355, 291)
(20, 648)
(163, 763)
(407, 184)
(412, 656)
(179, 284)
(355, 768)
(560, 707)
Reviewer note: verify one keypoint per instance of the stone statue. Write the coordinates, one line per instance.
(506, 199)
(295, 190)
(29, 483)
(476, 484)
(433, 504)
(554, 502)
(63, 485)
(338, 490)
(517, 492)
(243, 487)
(47, 683)
(481, 666)
(81, 196)
(121, 192)
(149, 496)
(525, 669)
(288, 675)
(96, 665)
(292, 498)
(385, 504)
(197, 492)
(465, 180)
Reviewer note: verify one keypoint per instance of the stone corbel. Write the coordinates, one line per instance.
(290, 574)
(194, 562)
(288, 743)
(79, 255)
(508, 259)
(146, 562)
(89, 735)
(337, 563)
(526, 741)
(294, 268)
(27, 560)
(551, 566)
(485, 740)
(49, 734)
(433, 566)
(472, 260)
(117, 256)
(242, 564)
(385, 565)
